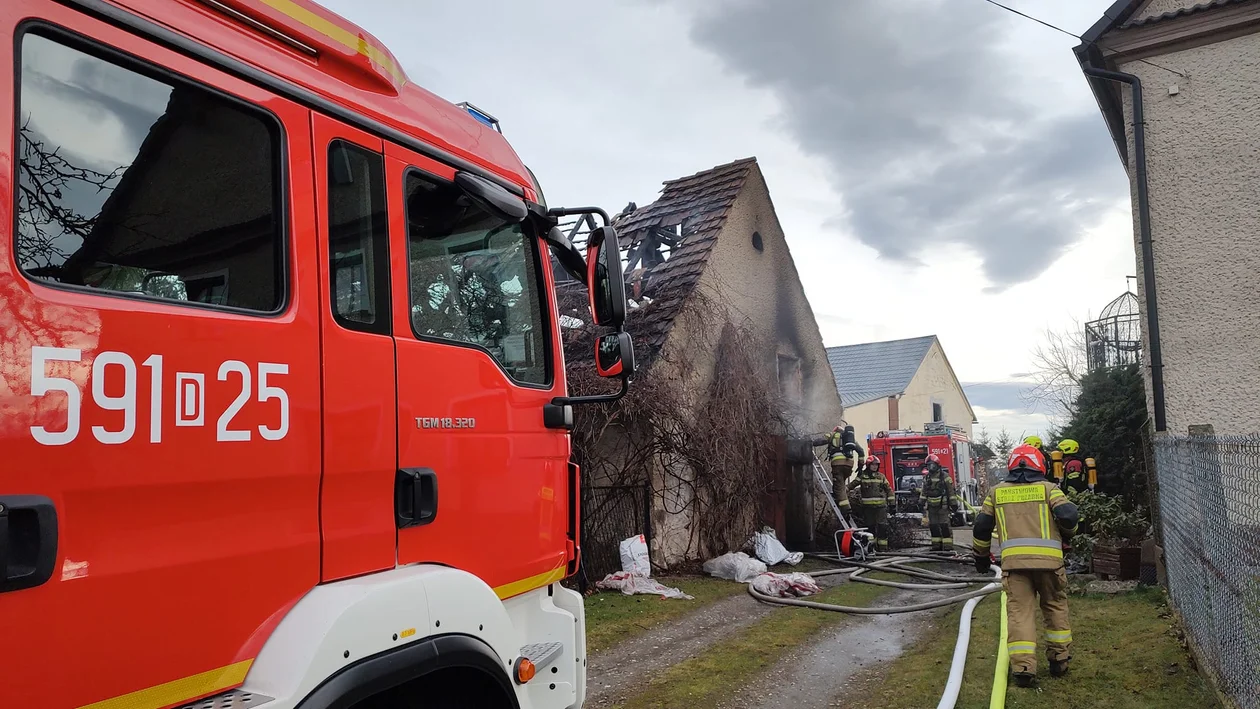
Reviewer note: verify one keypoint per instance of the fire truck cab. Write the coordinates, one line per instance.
(283, 408)
(905, 452)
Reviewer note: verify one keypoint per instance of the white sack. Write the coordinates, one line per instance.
(786, 585)
(634, 557)
(735, 566)
(768, 548)
(794, 558)
(631, 584)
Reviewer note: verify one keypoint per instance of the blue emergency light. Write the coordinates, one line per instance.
(481, 115)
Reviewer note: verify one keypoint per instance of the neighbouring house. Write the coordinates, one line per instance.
(1199, 67)
(899, 384)
(715, 295)
(1178, 83)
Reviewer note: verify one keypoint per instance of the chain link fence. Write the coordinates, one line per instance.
(1209, 508)
(611, 513)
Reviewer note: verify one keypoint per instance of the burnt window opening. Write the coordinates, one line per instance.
(790, 382)
(757, 243)
(938, 413)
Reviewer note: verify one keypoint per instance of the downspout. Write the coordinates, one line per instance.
(1144, 238)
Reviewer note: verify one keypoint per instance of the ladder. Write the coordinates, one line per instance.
(827, 485)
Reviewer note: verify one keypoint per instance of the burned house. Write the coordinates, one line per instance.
(715, 296)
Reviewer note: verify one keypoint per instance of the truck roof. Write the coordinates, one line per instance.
(300, 42)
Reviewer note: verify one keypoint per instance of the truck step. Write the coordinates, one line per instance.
(235, 699)
(542, 654)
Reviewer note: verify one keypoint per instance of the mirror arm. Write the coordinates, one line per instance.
(600, 399)
(570, 211)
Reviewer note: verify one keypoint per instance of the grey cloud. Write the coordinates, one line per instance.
(915, 108)
(997, 396)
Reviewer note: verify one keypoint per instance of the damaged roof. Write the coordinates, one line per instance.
(700, 204)
(876, 370)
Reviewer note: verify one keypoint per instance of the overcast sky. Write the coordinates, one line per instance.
(939, 166)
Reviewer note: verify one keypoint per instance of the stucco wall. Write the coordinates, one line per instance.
(757, 288)
(1203, 153)
(934, 383)
(867, 418)
(763, 288)
(1159, 7)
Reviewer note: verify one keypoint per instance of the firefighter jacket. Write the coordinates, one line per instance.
(874, 488)
(1031, 516)
(938, 489)
(835, 446)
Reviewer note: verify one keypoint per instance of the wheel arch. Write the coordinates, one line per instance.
(393, 668)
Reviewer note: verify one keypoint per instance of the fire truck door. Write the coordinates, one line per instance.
(481, 483)
(360, 433)
(159, 366)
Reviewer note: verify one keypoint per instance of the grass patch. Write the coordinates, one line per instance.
(1124, 657)
(718, 673)
(612, 617)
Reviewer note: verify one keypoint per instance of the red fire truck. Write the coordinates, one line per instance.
(904, 453)
(282, 398)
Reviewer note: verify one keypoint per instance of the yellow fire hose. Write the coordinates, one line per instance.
(997, 700)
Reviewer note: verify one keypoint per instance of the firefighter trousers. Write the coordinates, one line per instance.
(1025, 590)
(875, 519)
(942, 530)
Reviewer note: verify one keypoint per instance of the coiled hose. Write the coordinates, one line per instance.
(895, 564)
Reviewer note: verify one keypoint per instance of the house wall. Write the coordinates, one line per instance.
(1203, 154)
(760, 289)
(934, 383)
(763, 289)
(867, 418)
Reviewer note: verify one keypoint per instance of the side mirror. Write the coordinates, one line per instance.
(492, 198)
(567, 254)
(614, 355)
(604, 279)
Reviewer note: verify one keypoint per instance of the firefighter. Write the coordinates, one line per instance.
(1032, 518)
(1076, 477)
(877, 501)
(938, 498)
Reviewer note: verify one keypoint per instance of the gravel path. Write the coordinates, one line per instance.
(836, 663)
(620, 672)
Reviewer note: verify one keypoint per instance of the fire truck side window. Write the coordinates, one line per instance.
(475, 279)
(357, 230)
(134, 182)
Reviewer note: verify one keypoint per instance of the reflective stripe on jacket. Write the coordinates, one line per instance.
(1026, 529)
(938, 489)
(874, 488)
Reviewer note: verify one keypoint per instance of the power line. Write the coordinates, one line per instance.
(1056, 28)
(1034, 19)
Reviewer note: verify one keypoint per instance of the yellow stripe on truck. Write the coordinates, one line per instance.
(340, 35)
(180, 690)
(516, 588)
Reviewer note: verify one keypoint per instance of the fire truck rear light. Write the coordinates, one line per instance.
(525, 670)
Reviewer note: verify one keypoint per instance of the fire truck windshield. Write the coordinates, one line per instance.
(476, 279)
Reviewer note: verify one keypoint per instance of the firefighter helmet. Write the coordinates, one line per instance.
(1034, 441)
(1069, 446)
(1026, 457)
(872, 463)
(933, 458)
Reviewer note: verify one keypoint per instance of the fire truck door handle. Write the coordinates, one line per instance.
(28, 541)
(415, 497)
